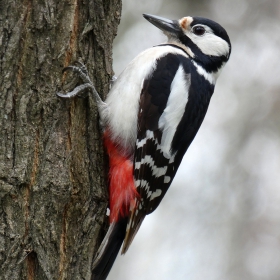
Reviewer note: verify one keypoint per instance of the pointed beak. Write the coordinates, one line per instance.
(166, 25)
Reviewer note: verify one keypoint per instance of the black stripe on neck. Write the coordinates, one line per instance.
(172, 45)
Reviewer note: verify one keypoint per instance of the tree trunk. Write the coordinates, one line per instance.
(53, 185)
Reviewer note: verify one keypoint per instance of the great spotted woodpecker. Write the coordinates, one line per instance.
(150, 117)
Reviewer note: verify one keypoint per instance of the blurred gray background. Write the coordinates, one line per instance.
(220, 220)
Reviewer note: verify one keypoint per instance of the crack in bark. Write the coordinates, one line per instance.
(31, 265)
(29, 186)
(26, 20)
(62, 245)
(73, 38)
(19, 74)
(36, 160)
(30, 260)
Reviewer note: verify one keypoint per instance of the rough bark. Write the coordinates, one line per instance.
(53, 194)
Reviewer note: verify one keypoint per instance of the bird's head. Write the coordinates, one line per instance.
(205, 41)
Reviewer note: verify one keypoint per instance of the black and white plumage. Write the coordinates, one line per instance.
(150, 117)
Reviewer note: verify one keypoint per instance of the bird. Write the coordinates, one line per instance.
(150, 117)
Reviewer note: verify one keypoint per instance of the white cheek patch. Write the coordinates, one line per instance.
(209, 43)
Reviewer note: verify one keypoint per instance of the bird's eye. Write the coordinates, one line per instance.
(198, 30)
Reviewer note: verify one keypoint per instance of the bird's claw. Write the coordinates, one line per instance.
(80, 69)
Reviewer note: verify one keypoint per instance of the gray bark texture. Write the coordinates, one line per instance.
(53, 185)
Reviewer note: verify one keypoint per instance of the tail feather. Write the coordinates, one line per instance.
(109, 249)
(136, 218)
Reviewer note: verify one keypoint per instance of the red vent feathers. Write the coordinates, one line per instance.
(122, 188)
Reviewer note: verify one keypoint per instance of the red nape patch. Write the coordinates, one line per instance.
(122, 189)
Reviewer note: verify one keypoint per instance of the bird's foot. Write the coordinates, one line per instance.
(82, 73)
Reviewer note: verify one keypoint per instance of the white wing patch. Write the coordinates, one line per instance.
(157, 171)
(174, 110)
(166, 179)
(145, 185)
(150, 135)
(154, 194)
(141, 143)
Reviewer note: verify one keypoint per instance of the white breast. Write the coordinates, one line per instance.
(123, 98)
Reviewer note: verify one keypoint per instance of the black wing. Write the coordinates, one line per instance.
(154, 167)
